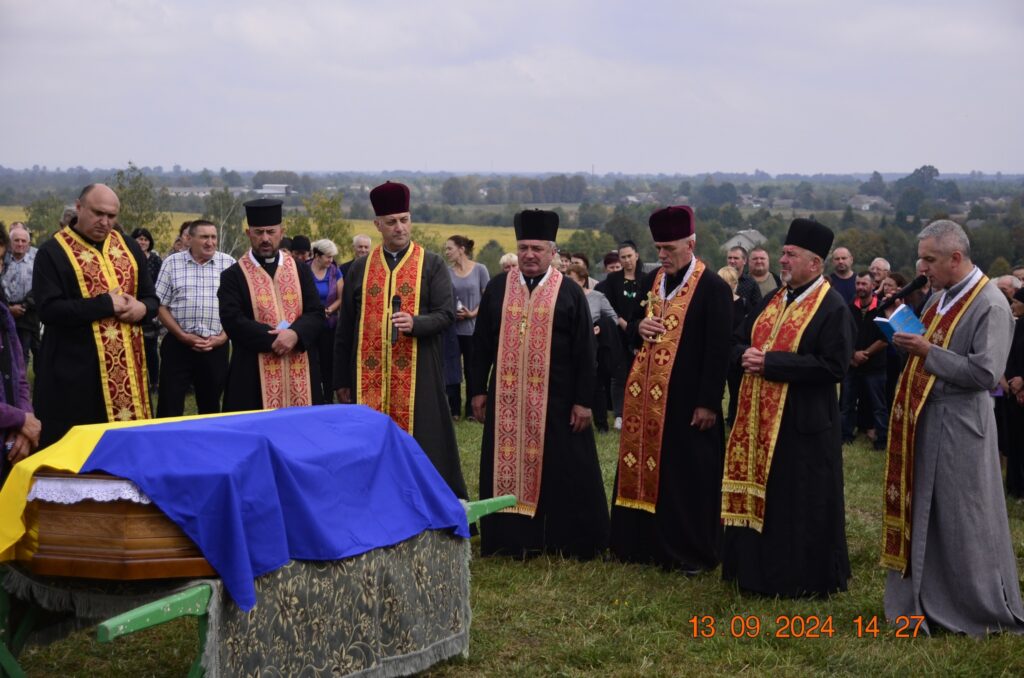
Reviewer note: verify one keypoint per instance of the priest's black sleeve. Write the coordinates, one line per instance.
(717, 328)
(437, 286)
(57, 305)
(348, 314)
(584, 347)
(485, 336)
(236, 313)
(146, 292)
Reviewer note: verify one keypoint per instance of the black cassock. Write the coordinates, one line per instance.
(572, 512)
(67, 387)
(432, 421)
(686, 530)
(802, 549)
(250, 338)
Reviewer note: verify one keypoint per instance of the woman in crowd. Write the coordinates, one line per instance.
(608, 342)
(509, 262)
(150, 330)
(329, 284)
(469, 279)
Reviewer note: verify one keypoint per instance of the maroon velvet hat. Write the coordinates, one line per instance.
(671, 223)
(390, 197)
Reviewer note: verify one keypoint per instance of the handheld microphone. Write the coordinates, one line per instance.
(913, 286)
(396, 306)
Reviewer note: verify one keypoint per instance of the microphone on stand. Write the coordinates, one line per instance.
(911, 287)
(396, 306)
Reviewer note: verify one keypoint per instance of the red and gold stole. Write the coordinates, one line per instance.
(912, 391)
(751, 446)
(119, 347)
(284, 380)
(643, 412)
(386, 374)
(521, 391)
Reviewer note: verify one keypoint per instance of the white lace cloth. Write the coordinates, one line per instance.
(74, 490)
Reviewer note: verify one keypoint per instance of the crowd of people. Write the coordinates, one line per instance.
(543, 351)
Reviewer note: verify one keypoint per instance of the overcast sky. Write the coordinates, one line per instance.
(548, 85)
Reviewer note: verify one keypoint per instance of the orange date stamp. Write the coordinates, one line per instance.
(797, 626)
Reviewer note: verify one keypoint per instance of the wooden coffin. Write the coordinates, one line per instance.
(121, 540)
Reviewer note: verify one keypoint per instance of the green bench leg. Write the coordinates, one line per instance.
(192, 602)
(11, 641)
(478, 509)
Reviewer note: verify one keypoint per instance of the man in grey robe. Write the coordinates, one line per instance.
(961, 573)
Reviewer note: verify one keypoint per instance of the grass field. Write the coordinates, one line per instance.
(550, 616)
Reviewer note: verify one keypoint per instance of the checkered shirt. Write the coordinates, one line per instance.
(189, 291)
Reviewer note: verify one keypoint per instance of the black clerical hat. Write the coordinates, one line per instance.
(536, 225)
(263, 212)
(671, 223)
(390, 197)
(810, 235)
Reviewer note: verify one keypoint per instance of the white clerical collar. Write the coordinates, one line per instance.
(522, 278)
(968, 283)
(686, 278)
(815, 285)
(276, 260)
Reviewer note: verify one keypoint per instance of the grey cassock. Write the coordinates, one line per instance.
(963, 573)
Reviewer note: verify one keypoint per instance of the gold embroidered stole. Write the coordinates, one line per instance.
(119, 346)
(284, 380)
(760, 404)
(643, 415)
(521, 391)
(912, 391)
(386, 373)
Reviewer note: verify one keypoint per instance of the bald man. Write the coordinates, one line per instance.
(93, 301)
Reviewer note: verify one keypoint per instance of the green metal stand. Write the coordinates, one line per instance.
(192, 602)
(478, 509)
(11, 641)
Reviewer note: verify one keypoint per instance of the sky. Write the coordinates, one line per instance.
(675, 87)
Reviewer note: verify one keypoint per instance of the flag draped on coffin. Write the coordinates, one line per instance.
(254, 491)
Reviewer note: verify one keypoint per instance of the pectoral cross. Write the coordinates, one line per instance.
(522, 326)
(652, 297)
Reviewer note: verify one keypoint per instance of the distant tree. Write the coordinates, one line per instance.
(576, 189)
(765, 191)
(591, 215)
(977, 211)
(999, 266)
(594, 244)
(684, 188)
(226, 210)
(204, 178)
(848, 219)
(453, 191)
(325, 211)
(43, 216)
(730, 217)
(910, 200)
(873, 186)
(554, 188)
(803, 195)
(490, 256)
(360, 209)
(230, 177)
(141, 204)
(428, 238)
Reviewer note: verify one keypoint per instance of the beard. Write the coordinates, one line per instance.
(785, 276)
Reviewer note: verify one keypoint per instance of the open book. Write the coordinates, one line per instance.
(903, 320)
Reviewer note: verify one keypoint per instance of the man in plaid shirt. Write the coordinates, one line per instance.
(195, 350)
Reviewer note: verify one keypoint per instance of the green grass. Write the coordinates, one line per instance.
(550, 616)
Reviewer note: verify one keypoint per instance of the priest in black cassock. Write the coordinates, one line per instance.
(272, 314)
(668, 488)
(533, 377)
(93, 302)
(395, 307)
(782, 492)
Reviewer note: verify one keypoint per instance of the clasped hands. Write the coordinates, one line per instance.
(127, 308)
(24, 440)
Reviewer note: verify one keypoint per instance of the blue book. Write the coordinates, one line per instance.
(903, 320)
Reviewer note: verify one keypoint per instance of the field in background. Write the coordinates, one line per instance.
(479, 234)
